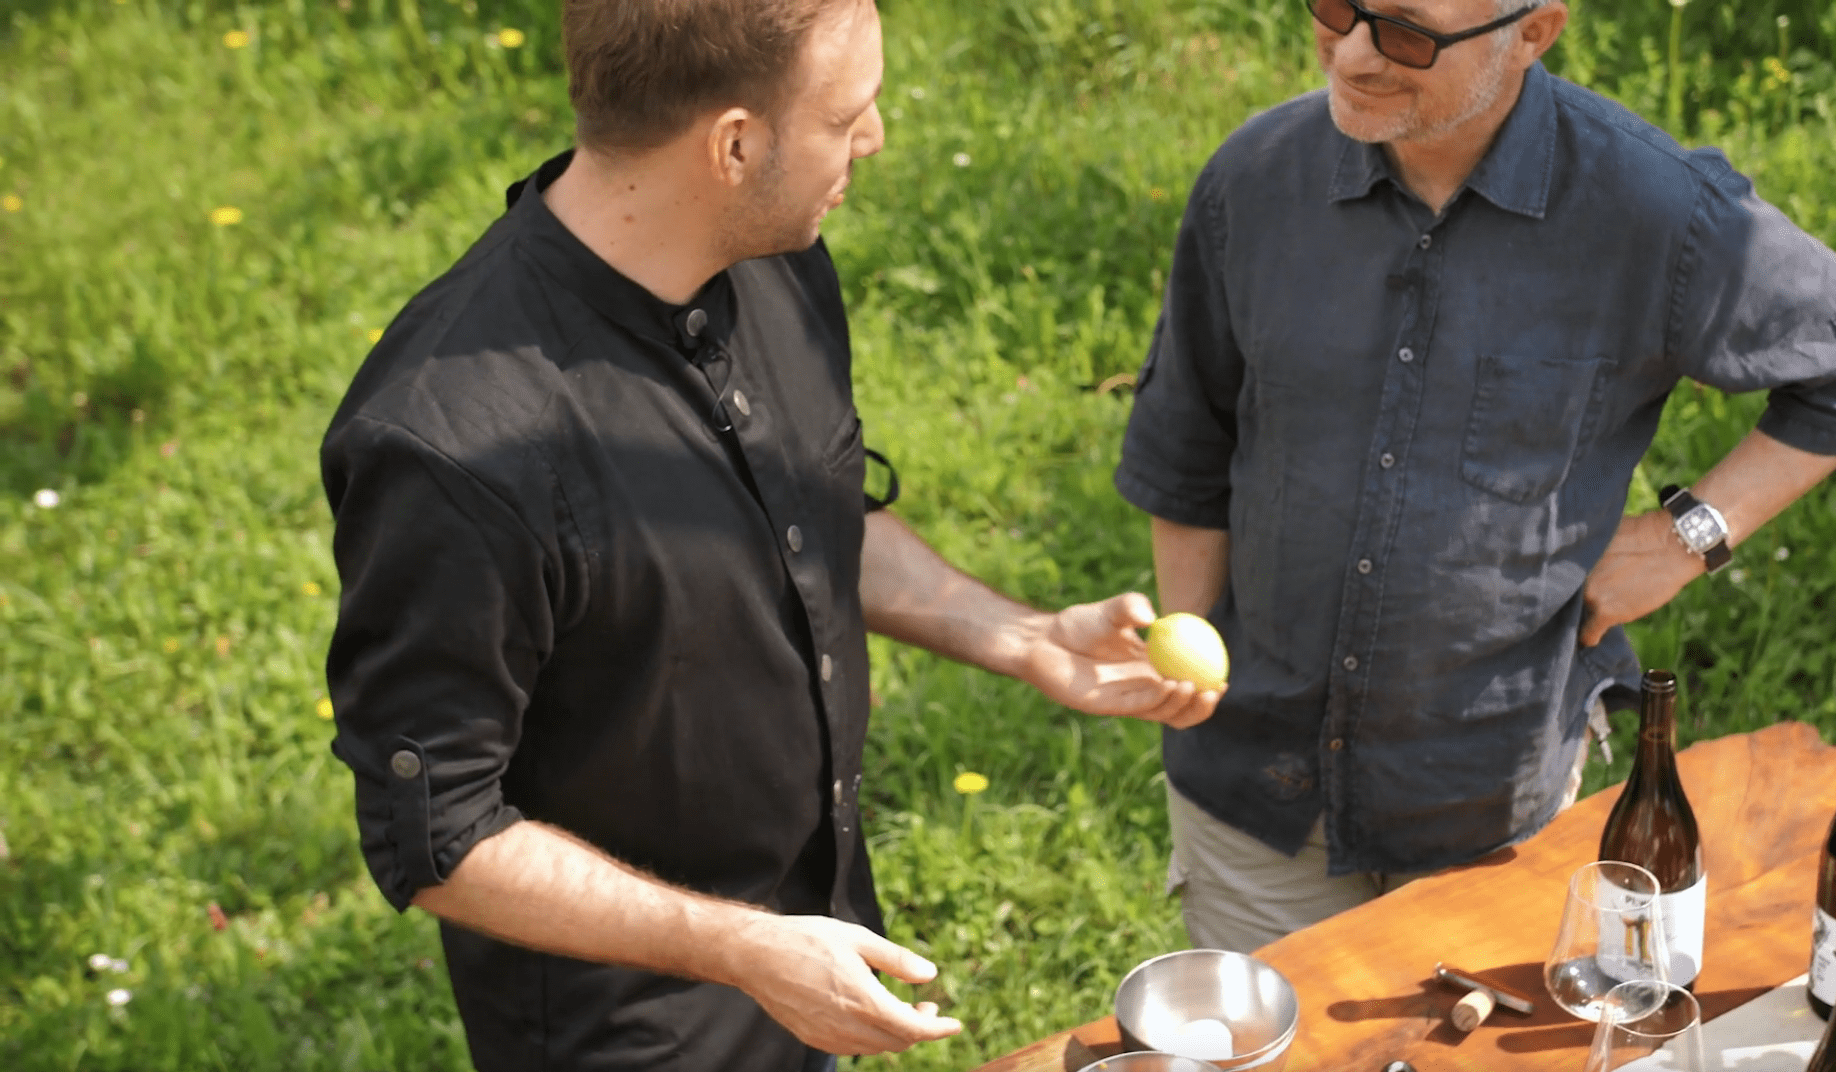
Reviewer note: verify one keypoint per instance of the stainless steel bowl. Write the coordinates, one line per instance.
(1159, 1003)
(1149, 1062)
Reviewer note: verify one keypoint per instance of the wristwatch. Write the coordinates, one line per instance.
(1699, 526)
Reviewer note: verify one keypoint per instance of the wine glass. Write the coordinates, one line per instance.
(1610, 934)
(1656, 1024)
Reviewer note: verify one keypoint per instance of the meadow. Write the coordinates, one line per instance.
(208, 209)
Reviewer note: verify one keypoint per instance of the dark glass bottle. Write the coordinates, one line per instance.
(1652, 826)
(1824, 1060)
(1822, 986)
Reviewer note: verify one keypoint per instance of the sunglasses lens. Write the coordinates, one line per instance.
(1336, 15)
(1402, 45)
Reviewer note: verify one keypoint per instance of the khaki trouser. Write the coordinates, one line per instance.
(1237, 893)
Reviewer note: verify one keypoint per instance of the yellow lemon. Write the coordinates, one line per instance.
(1186, 648)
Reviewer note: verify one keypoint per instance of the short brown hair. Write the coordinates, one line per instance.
(638, 71)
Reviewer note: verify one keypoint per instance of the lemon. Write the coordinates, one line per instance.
(1186, 648)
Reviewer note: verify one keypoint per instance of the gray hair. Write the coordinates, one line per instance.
(1512, 7)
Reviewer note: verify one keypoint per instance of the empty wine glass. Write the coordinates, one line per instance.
(1610, 935)
(1657, 1024)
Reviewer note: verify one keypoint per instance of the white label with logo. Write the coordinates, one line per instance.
(1625, 938)
(1684, 913)
(1823, 956)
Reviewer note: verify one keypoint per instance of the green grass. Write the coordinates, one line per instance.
(162, 629)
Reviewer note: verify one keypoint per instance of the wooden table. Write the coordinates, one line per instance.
(1763, 801)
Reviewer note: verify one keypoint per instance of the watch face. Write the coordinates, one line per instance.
(1699, 529)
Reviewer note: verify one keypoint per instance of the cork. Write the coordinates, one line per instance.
(1472, 1009)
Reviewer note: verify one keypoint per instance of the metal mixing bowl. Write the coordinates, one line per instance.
(1149, 1062)
(1157, 1001)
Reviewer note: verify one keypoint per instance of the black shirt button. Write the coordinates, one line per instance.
(694, 322)
(1364, 565)
(405, 764)
(838, 792)
(828, 668)
(740, 403)
(1350, 663)
(1426, 241)
(794, 537)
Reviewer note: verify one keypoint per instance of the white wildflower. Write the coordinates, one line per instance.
(46, 498)
(100, 962)
(120, 996)
(960, 160)
(1782, 553)
(1737, 575)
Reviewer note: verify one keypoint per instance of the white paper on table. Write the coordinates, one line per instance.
(1775, 1032)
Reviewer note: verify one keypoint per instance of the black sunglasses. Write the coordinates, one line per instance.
(1396, 40)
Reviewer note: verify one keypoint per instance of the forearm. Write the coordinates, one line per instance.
(537, 886)
(1191, 566)
(910, 594)
(1757, 480)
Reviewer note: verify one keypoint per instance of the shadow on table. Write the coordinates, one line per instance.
(1549, 1028)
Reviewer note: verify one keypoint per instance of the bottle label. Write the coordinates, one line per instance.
(1823, 956)
(1626, 939)
(1684, 913)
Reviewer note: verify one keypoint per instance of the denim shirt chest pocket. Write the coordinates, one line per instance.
(1530, 416)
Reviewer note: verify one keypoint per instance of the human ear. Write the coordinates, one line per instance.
(1540, 29)
(730, 145)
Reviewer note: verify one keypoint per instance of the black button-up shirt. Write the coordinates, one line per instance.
(601, 561)
(1420, 431)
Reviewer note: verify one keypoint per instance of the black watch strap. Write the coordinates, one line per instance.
(1679, 501)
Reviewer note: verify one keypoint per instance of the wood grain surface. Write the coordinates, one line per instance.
(1763, 802)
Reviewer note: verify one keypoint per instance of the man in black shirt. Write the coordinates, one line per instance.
(600, 667)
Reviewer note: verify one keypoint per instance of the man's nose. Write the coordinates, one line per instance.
(1356, 52)
(870, 138)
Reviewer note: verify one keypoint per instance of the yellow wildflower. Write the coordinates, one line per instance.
(310, 588)
(171, 645)
(375, 335)
(325, 707)
(223, 646)
(510, 38)
(226, 216)
(12, 202)
(970, 783)
(236, 39)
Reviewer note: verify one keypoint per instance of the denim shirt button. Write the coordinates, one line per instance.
(1364, 565)
(1350, 663)
(1387, 459)
(1426, 241)
(1405, 355)
(1336, 744)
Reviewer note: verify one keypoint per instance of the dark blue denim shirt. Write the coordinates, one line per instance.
(1419, 432)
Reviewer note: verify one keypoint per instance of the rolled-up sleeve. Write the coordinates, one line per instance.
(1176, 453)
(1754, 308)
(443, 625)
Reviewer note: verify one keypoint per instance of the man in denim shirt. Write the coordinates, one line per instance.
(1419, 331)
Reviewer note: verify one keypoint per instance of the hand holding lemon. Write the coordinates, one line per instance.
(1185, 647)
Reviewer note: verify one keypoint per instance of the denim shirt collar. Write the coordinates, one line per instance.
(1513, 175)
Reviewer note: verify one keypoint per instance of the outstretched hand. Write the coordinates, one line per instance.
(815, 976)
(1090, 657)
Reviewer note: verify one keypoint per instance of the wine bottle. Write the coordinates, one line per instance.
(1824, 1059)
(1652, 826)
(1822, 986)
